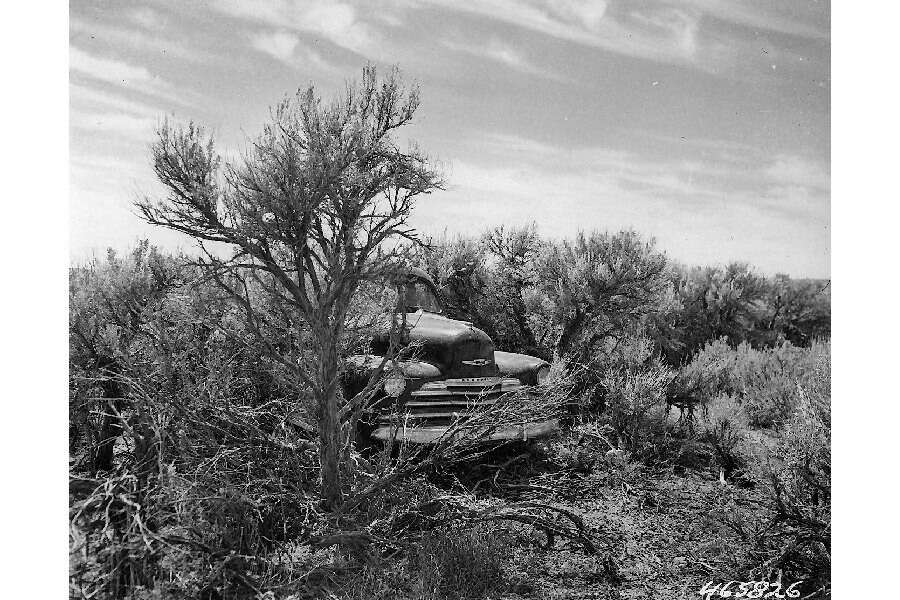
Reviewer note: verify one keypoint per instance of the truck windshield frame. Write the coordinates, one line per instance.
(420, 296)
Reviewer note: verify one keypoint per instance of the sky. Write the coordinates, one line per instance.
(704, 124)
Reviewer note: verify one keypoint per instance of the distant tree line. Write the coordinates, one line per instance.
(563, 298)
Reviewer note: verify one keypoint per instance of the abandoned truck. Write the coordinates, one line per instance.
(454, 370)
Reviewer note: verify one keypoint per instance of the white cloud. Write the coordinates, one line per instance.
(107, 69)
(523, 174)
(502, 53)
(677, 27)
(280, 45)
(796, 171)
(287, 47)
(508, 56)
(707, 219)
(121, 74)
(629, 170)
(118, 125)
(803, 19)
(335, 21)
(587, 14)
(660, 30)
(798, 201)
(91, 98)
(647, 32)
(147, 17)
(137, 39)
(534, 172)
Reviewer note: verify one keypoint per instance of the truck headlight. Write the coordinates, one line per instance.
(394, 384)
(543, 375)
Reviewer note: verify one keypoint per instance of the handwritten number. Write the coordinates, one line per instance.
(708, 591)
(750, 589)
(791, 592)
(725, 592)
(744, 588)
(759, 588)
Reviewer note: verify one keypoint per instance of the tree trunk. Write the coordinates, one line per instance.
(520, 315)
(110, 428)
(330, 439)
(106, 439)
(569, 331)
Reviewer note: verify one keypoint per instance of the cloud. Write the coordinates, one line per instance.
(534, 171)
(280, 45)
(147, 18)
(710, 209)
(287, 47)
(121, 74)
(801, 19)
(588, 14)
(117, 124)
(507, 55)
(527, 173)
(108, 172)
(502, 53)
(109, 70)
(91, 98)
(335, 21)
(797, 171)
(797, 202)
(628, 169)
(663, 31)
(145, 38)
(643, 32)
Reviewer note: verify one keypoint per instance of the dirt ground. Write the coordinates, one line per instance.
(662, 535)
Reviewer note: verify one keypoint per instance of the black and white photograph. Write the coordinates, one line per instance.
(422, 299)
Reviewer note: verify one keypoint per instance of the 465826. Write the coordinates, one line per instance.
(749, 589)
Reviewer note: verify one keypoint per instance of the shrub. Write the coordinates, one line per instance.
(770, 399)
(714, 364)
(378, 582)
(713, 303)
(111, 303)
(447, 563)
(460, 563)
(636, 406)
(800, 310)
(765, 382)
(205, 483)
(626, 389)
(791, 535)
(725, 431)
(799, 484)
(595, 379)
(582, 447)
(600, 287)
(184, 450)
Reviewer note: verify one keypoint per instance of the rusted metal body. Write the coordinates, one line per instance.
(455, 370)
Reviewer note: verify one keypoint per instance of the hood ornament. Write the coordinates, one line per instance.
(478, 362)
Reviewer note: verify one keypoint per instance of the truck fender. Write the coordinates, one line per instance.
(412, 369)
(521, 366)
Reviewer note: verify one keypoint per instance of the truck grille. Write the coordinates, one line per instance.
(441, 402)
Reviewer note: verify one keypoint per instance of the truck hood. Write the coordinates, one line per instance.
(457, 347)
